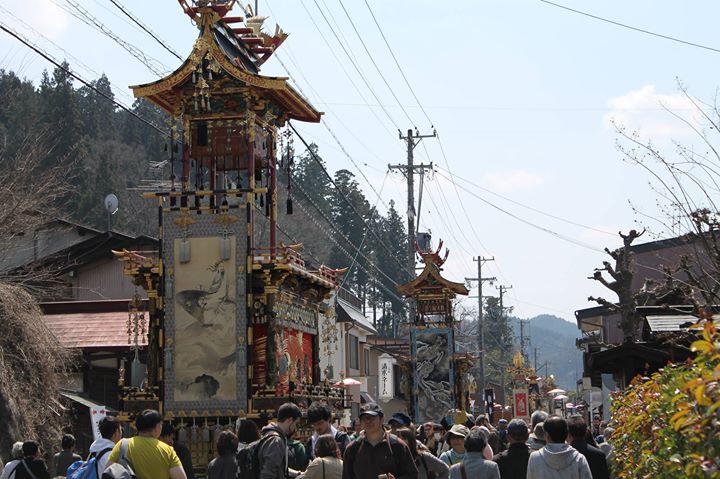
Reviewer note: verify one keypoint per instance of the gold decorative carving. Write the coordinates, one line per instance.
(226, 219)
(184, 220)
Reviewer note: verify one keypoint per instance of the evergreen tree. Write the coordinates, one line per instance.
(394, 239)
(60, 112)
(311, 178)
(346, 193)
(97, 112)
(18, 114)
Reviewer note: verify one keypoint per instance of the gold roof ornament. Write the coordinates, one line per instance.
(518, 360)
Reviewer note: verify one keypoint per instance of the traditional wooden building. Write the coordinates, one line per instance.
(437, 372)
(233, 314)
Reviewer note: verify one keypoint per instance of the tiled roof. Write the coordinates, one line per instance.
(91, 330)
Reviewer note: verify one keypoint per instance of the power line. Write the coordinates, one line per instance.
(529, 223)
(352, 62)
(145, 28)
(550, 215)
(47, 57)
(340, 233)
(666, 37)
(84, 16)
(398, 63)
(349, 203)
(69, 55)
(375, 64)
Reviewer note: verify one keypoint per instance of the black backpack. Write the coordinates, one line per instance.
(248, 458)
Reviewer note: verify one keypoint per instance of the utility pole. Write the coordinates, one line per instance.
(409, 170)
(503, 318)
(481, 325)
(524, 340)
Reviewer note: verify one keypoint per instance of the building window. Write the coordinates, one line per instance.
(353, 349)
(367, 362)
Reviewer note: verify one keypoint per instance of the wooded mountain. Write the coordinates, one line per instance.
(554, 339)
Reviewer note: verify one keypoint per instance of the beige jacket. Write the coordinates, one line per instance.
(324, 468)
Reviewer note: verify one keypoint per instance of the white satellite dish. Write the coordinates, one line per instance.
(111, 204)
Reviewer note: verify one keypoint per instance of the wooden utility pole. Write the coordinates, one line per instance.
(503, 318)
(481, 324)
(409, 170)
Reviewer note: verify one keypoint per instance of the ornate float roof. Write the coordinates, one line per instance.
(237, 52)
(430, 278)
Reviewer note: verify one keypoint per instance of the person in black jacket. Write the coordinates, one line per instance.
(577, 429)
(32, 464)
(319, 416)
(513, 461)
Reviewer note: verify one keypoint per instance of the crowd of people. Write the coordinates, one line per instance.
(471, 448)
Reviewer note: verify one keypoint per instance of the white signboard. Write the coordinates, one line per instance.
(386, 378)
(96, 414)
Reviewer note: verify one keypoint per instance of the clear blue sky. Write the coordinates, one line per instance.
(519, 91)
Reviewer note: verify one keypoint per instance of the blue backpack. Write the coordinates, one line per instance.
(87, 469)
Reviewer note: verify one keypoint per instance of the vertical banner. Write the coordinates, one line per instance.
(386, 377)
(490, 403)
(205, 313)
(434, 373)
(520, 397)
(96, 414)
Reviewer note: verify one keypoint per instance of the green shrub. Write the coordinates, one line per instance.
(667, 427)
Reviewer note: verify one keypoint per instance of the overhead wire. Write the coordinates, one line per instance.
(531, 208)
(397, 63)
(349, 203)
(337, 59)
(527, 222)
(67, 54)
(145, 28)
(372, 59)
(354, 64)
(629, 27)
(74, 9)
(342, 235)
(74, 75)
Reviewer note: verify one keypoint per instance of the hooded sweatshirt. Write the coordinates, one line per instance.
(558, 461)
(99, 446)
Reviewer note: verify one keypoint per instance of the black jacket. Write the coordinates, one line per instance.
(595, 458)
(37, 466)
(513, 462)
(362, 460)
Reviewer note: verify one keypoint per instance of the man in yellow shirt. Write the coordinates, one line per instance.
(149, 457)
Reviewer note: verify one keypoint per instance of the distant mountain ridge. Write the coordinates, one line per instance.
(554, 339)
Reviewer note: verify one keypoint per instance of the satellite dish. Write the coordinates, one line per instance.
(111, 204)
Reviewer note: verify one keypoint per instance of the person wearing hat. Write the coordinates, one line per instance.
(377, 454)
(537, 438)
(513, 462)
(399, 420)
(474, 465)
(456, 438)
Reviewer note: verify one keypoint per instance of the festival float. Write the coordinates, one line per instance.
(232, 314)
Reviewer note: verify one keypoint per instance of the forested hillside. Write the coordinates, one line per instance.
(103, 149)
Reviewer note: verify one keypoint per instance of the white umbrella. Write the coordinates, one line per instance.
(347, 382)
(561, 397)
(557, 391)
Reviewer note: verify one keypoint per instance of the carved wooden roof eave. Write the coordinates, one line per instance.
(276, 87)
(410, 288)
